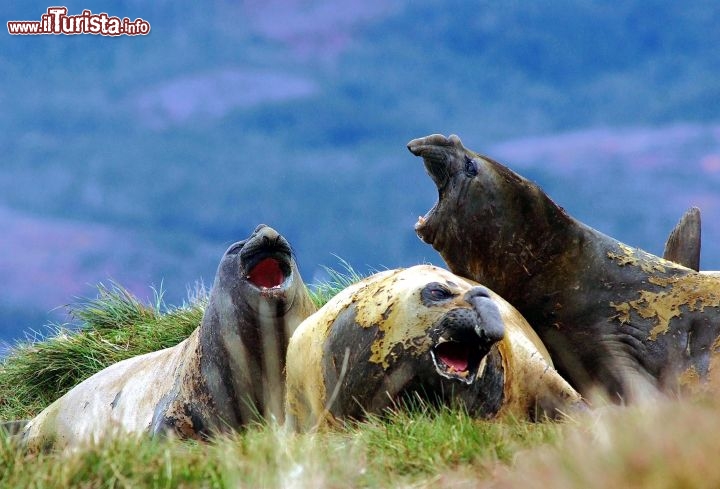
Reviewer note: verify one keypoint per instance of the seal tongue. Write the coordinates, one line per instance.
(455, 355)
(267, 274)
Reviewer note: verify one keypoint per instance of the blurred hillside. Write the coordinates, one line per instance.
(141, 159)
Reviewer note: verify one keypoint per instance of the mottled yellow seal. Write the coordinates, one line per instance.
(614, 317)
(419, 331)
(226, 374)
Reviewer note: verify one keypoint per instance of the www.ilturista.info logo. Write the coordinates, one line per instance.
(57, 21)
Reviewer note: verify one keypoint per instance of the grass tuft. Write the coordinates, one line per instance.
(337, 280)
(420, 443)
(660, 445)
(399, 449)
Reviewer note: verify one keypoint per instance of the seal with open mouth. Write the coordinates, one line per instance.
(612, 316)
(228, 373)
(425, 332)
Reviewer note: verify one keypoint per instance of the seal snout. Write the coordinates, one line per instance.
(439, 156)
(465, 337)
(266, 258)
(420, 146)
(489, 325)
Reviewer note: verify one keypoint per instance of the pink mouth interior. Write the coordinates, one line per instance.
(453, 354)
(267, 274)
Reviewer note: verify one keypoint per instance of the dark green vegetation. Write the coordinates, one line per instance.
(144, 157)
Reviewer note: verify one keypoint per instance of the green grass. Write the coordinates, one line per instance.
(427, 440)
(398, 449)
(337, 280)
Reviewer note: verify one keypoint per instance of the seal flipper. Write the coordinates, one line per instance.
(683, 244)
(556, 399)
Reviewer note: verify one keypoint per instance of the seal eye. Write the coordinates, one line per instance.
(434, 293)
(470, 167)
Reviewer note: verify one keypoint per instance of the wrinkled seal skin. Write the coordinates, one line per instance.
(393, 336)
(612, 316)
(227, 373)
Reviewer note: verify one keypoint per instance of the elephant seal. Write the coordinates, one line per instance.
(420, 331)
(612, 316)
(227, 373)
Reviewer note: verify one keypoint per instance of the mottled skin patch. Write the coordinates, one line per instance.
(694, 292)
(636, 257)
(370, 346)
(226, 374)
(612, 316)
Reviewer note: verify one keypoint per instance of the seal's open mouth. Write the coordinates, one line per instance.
(267, 274)
(435, 151)
(459, 355)
(267, 262)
